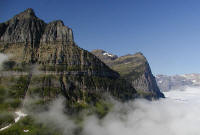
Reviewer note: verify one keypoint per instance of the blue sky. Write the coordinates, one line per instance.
(167, 32)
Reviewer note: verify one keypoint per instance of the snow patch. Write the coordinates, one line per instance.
(5, 127)
(194, 81)
(26, 130)
(110, 55)
(160, 81)
(20, 115)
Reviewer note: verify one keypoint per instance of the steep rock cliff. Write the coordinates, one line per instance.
(134, 68)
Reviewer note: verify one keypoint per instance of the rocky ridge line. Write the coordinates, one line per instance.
(134, 68)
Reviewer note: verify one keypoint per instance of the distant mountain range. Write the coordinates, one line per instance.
(167, 83)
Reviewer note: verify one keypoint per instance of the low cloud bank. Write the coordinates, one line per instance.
(169, 116)
(3, 58)
(56, 119)
(141, 117)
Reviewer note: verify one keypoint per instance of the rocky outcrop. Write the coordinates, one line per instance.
(146, 82)
(26, 34)
(48, 53)
(26, 27)
(57, 31)
(136, 69)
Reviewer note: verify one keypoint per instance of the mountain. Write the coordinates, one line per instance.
(135, 69)
(45, 61)
(167, 83)
(104, 56)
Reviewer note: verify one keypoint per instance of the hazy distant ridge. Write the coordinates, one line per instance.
(167, 83)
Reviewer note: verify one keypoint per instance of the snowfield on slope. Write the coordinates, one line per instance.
(19, 114)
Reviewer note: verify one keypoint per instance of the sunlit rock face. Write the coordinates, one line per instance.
(27, 27)
(135, 68)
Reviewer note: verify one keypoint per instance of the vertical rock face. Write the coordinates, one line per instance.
(24, 27)
(51, 48)
(136, 69)
(57, 31)
(147, 82)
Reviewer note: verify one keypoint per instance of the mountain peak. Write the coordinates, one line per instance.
(139, 53)
(58, 22)
(140, 56)
(28, 13)
(29, 10)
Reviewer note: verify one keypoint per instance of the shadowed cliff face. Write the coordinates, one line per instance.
(134, 68)
(44, 60)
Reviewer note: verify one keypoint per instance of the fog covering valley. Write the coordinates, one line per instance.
(177, 114)
(3, 58)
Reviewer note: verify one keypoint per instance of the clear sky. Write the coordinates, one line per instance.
(167, 32)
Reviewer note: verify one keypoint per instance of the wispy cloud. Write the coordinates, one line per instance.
(3, 58)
